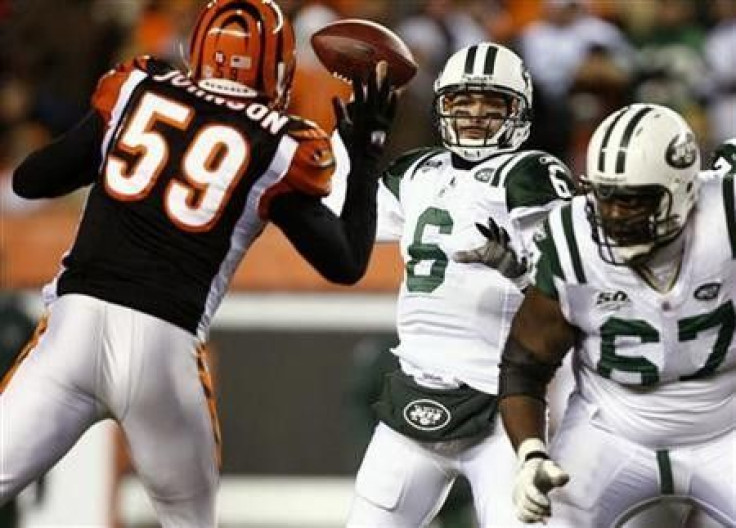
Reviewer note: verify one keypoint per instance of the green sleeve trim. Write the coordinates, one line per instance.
(572, 244)
(395, 172)
(392, 183)
(538, 179)
(497, 175)
(548, 265)
(728, 203)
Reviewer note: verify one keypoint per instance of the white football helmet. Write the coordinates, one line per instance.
(483, 68)
(646, 156)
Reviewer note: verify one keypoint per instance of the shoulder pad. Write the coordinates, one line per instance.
(153, 66)
(400, 166)
(403, 163)
(300, 129)
(311, 168)
(108, 87)
(314, 161)
(535, 178)
(145, 63)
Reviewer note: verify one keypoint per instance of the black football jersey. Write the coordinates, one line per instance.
(182, 192)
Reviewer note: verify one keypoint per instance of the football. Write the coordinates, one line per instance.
(353, 47)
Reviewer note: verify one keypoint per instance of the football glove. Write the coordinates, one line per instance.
(363, 124)
(497, 254)
(536, 477)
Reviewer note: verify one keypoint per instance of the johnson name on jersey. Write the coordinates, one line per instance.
(647, 357)
(453, 318)
(183, 190)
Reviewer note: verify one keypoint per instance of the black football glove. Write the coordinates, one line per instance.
(498, 254)
(364, 123)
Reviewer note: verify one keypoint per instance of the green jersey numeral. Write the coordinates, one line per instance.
(420, 251)
(689, 328)
(610, 361)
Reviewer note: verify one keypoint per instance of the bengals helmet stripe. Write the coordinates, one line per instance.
(242, 46)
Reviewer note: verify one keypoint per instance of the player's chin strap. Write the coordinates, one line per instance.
(497, 254)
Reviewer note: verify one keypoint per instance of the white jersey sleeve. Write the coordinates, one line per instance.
(535, 184)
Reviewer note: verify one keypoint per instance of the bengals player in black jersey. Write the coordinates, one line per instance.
(185, 171)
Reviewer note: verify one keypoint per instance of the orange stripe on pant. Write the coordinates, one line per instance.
(25, 352)
(206, 381)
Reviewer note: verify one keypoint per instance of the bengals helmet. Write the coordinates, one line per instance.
(244, 48)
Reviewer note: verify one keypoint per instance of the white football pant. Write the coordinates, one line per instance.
(403, 483)
(98, 360)
(611, 476)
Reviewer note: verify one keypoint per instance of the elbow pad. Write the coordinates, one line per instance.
(522, 373)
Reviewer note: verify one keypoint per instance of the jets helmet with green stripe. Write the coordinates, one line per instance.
(642, 181)
(484, 68)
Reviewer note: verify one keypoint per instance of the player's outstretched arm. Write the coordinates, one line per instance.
(540, 337)
(64, 165)
(339, 248)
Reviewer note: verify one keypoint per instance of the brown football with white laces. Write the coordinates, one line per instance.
(352, 47)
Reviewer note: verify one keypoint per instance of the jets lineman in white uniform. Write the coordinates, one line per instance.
(438, 412)
(641, 275)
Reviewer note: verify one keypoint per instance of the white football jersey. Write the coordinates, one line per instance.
(452, 318)
(659, 368)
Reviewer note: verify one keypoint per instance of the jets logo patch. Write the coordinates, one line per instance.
(484, 175)
(426, 415)
(707, 292)
(682, 151)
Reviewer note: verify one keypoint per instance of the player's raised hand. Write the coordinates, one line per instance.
(537, 476)
(364, 123)
(497, 254)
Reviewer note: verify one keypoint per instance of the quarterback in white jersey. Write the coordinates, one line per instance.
(638, 275)
(437, 412)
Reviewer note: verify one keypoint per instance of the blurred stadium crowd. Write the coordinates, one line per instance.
(586, 57)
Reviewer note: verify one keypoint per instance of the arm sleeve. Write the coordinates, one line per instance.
(338, 247)
(68, 163)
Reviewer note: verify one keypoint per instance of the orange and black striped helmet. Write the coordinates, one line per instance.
(244, 48)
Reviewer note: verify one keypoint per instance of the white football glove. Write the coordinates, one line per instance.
(536, 477)
(497, 254)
